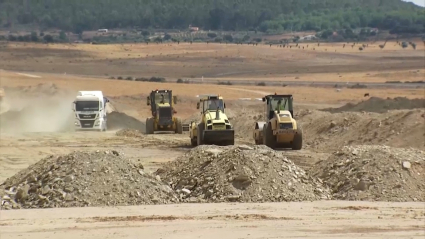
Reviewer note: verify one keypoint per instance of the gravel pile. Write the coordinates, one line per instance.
(374, 173)
(134, 133)
(239, 173)
(83, 179)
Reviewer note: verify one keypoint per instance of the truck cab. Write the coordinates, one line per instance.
(90, 111)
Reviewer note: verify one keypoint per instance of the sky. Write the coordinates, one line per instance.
(417, 2)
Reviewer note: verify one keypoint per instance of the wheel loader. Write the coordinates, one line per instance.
(162, 108)
(280, 130)
(214, 127)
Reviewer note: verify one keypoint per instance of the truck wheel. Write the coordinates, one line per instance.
(270, 139)
(179, 126)
(149, 125)
(194, 142)
(200, 132)
(297, 143)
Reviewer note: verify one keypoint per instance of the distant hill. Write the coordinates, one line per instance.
(261, 15)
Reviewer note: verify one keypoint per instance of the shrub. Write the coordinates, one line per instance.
(224, 83)
(212, 34)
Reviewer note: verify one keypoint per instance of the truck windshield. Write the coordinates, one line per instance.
(87, 106)
(162, 98)
(214, 104)
(284, 104)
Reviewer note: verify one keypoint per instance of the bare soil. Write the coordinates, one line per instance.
(36, 132)
(226, 220)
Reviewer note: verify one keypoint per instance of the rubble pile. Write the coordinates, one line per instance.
(81, 179)
(129, 133)
(374, 173)
(380, 105)
(239, 173)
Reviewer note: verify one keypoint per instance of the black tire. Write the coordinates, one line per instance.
(297, 143)
(179, 126)
(270, 139)
(149, 126)
(200, 132)
(194, 142)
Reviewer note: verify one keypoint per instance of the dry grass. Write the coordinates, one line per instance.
(327, 62)
(123, 88)
(218, 62)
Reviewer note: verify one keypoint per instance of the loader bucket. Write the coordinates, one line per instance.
(219, 137)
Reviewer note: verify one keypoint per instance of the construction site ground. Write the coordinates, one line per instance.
(361, 168)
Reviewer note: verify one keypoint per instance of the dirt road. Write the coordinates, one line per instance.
(334, 219)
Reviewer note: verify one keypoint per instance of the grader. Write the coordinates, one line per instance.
(162, 108)
(214, 127)
(280, 130)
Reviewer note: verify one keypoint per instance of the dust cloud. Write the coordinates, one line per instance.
(38, 108)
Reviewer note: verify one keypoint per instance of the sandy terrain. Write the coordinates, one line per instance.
(41, 81)
(254, 221)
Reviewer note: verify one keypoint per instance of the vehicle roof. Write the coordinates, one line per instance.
(88, 98)
(209, 96)
(278, 96)
(161, 91)
(96, 93)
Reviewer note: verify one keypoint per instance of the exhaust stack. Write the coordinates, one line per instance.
(217, 115)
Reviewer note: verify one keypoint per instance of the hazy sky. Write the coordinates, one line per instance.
(417, 2)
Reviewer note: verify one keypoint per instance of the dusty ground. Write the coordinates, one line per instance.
(40, 93)
(253, 221)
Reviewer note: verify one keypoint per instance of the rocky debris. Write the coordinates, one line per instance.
(379, 105)
(129, 133)
(102, 178)
(374, 173)
(239, 173)
(329, 132)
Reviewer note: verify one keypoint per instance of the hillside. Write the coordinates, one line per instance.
(272, 15)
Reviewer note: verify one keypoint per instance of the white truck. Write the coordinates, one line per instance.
(90, 111)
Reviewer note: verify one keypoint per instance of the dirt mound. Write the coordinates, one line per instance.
(129, 133)
(118, 120)
(325, 131)
(374, 173)
(84, 179)
(379, 105)
(239, 173)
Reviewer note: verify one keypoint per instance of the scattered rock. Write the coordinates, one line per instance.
(84, 179)
(243, 174)
(374, 173)
(406, 165)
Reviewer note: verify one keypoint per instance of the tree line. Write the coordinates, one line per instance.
(233, 15)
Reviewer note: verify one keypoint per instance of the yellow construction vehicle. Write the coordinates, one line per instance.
(280, 130)
(214, 127)
(162, 108)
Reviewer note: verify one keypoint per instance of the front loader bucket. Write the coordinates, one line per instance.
(185, 127)
(219, 137)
